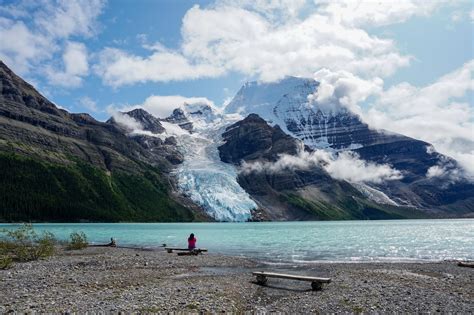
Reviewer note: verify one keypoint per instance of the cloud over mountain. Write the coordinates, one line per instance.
(344, 166)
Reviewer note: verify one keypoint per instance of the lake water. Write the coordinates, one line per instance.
(296, 242)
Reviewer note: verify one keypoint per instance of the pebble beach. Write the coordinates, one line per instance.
(103, 279)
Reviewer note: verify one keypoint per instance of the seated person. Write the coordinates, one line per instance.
(191, 242)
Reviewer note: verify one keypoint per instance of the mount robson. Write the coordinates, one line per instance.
(271, 154)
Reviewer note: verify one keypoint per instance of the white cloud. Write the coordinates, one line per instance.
(228, 38)
(76, 66)
(343, 89)
(34, 32)
(118, 68)
(20, 46)
(162, 106)
(88, 103)
(345, 166)
(61, 19)
(471, 15)
(124, 120)
(447, 170)
(432, 113)
(377, 13)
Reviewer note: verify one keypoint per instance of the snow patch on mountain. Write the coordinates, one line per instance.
(374, 194)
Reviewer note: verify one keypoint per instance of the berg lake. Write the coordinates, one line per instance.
(295, 242)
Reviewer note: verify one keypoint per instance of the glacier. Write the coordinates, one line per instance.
(203, 177)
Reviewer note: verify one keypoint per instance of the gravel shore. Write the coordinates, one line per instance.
(119, 279)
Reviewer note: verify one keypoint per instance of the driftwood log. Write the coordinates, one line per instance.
(111, 244)
(469, 264)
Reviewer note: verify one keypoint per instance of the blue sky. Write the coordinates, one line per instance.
(98, 56)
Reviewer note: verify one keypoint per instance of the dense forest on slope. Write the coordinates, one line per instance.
(35, 190)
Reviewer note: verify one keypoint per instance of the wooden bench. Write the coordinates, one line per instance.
(316, 283)
(198, 250)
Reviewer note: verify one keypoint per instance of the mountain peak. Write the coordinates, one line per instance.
(146, 120)
(15, 89)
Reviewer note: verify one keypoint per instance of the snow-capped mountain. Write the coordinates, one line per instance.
(285, 103)
(335, 128)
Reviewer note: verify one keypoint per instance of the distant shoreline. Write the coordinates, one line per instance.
(466, 217)
(124, 279)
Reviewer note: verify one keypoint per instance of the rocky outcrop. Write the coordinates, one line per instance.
(179, 118)
(146, 120)
(154, 141)
(252, 139)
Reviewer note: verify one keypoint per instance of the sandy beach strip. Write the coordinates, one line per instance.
(122, 279)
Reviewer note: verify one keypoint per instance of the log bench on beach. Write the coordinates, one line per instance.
(316, 282)
(185, 250)
(112, 243)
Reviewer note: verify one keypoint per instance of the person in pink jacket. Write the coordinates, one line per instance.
(191, 242)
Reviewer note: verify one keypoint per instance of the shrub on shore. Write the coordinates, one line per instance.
(78, 241)
(24, 244)
(5, 262)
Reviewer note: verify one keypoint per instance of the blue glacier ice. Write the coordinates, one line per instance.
(202, 176)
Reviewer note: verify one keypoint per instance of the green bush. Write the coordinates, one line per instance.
(45, 246)
(78, 241)
(24, 244)
(5, 261)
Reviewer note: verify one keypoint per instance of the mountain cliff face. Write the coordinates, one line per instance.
(58, 166)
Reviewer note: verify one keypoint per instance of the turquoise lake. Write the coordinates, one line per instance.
(296, 242)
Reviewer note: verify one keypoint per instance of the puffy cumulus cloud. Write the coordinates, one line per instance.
(247, 42)
(76, 65)
(117, 68)
(344, 166)
(449, 172)
(377, 13)
(34, 32)
(61, 19)
(247, 38)
(343, 89)
(432, 113)
(20, 46)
